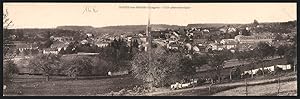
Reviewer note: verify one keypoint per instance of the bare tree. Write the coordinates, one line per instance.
(9, 68)
(7, 37)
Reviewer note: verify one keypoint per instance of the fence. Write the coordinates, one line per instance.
(247, 87)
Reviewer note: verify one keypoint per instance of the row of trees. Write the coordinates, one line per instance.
(160, 67)
(119, 54)
(114, 57)
(72, 66)
(157, 69)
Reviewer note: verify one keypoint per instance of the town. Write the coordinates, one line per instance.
(238, 42)
(257, 58)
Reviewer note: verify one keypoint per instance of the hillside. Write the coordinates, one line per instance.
(76, 28)
(211, 25)
(133, 29)
(33, 34)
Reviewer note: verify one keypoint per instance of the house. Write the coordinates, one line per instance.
(87, 54)
(50, 51)
(102, 44)
(231, 29)
(253, 39)
(223, 30)
(84, 42)
(215, 46)
(245, 47)
(200, 41)
(188, 46)
(200, 48)
(142, 41)
(174, 37)
(118, 73)
(173, 46)
(59, 45)
(196, 49)
(128, 38)
(62, 39)
(229, 43)
(205, 31)
(21, 45)
(89, 35)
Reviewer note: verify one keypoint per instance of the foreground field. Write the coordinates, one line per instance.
(286, 89)
(84, 86)
(219, 88)
(97, 85)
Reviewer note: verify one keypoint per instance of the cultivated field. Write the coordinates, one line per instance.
(36, 85)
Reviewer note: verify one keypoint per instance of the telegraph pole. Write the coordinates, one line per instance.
(148, 40)
(148, 29)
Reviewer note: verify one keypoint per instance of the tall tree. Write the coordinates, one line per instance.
(261, 51)
(47, 64)
(8, 45)
(216, 61)
(281, 50)
(78, 65)
(156, 69)
(255, 23)
(9, 68)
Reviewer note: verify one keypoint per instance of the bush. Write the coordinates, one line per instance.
(9, 68)
(260, 72)
(278, 70)
(79, 65)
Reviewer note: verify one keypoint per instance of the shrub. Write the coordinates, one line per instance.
(9, 68)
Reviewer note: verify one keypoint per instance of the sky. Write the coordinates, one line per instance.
(51, 15)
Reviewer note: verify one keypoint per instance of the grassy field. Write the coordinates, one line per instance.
(99, 85)
(203, 90)
(286, 89)
(36, 85)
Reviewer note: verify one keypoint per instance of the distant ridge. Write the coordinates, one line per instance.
(133, 29)
(207, 25)
(72, 30)
(76, 28)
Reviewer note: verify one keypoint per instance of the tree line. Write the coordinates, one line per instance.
(161, 67)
